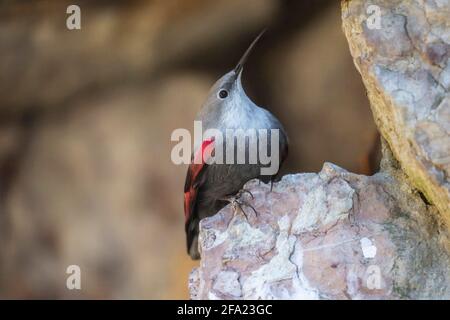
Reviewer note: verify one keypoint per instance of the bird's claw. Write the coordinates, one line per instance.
(242, 192)
(240, 204)
(237, 201)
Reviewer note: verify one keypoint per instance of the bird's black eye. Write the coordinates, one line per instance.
(223, 94)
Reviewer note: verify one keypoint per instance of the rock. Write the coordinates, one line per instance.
(405, 66)
(330, 235)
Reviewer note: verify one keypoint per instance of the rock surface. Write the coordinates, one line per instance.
(405, 66)
(330, 235)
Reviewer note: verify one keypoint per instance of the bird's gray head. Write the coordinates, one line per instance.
(227, 94)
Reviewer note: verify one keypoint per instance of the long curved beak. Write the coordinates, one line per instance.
(240, 65)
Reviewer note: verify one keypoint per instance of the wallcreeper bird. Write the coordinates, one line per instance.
(210, 186)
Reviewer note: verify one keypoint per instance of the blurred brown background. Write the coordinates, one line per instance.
(86, 117)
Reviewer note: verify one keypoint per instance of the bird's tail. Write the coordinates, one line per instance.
(192, 238)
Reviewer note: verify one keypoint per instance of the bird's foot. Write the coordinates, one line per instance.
(242, 192)
(238, 201)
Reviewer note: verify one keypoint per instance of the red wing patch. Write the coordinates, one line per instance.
(194, 170)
